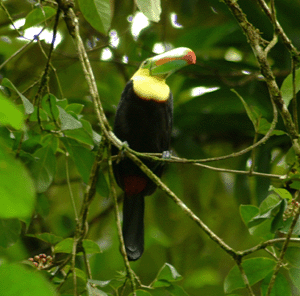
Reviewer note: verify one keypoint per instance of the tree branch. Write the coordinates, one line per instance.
(255, 41)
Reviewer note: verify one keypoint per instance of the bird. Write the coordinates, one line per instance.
(143, 120)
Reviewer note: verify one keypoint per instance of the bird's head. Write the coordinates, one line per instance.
(163, 65)
(149, 81)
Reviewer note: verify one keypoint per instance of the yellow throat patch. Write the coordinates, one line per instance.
(149, 87)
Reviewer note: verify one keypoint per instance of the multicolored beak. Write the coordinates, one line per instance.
(165, 64)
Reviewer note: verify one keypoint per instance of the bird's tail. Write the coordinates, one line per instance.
(133, 225)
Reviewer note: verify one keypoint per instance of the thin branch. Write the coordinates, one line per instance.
(294, 100)
(183, 207)
(265, 244)
(232, 155)
(70, 188)
(282, 253)
(10, 18)
(244, 277)
(198, 162)
(255, 42)
(272, 16)
(249, 173)
(16, 53)
(130, 272)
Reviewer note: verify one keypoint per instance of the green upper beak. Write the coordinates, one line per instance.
(168, 62)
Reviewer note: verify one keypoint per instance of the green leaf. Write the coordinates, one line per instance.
(93, 291)
(98, 13)
(141, 293)
(98, 283)
(290, 157)
(51, 140)
(271, 202)
(10, 230)
(256, 269)
(167, 274)
(252, 112)
(18, 280)
(47, 237)
(90, 247)
(176, 290)
(248, 212)
(32, 143)
(68, 285)
(262, 229)
(287, 87)
(280, 288)
(269, 208)
(295, 276)
(38, 16)
(283, 193)
(10, 114)
(295, 185)
(42, 114)
(68, 122)
(81, 135)
(65, 246)
(16, 188)
(75, 107)
(43, 168)
(292, 255)
(62, 103)
(264, 126)
(287, 225)
(82, 157)
(278, 222)
(28, 107)
(150, 8)
(49, 105)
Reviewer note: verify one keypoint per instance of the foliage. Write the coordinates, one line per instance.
(53, 149)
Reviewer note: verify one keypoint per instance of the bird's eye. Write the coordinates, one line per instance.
(145, 63)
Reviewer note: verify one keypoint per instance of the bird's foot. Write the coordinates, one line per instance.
(121, 151)
(167, 154)
(124, 145)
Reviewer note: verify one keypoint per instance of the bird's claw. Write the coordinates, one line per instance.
(121, 152)
(167, 154)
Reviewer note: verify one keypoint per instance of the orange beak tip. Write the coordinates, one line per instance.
(190, 58)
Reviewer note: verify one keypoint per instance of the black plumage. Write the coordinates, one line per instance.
(146, 126)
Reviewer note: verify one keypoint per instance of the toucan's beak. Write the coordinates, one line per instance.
(166, 63)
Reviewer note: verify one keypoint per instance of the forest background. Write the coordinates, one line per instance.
(240, 99)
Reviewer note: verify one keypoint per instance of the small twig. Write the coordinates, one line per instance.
(244, 276)
(130, 273)
(294, 100)
(73, 262)
(184, 208)
(255, 42)
(10, 19)
(70, 188)
(266, 244)
(87, 264)
(16, 53)
(288, 43)
(282, 253)
(252, 167)
(45, 76)
(239, 153)
(53, 69)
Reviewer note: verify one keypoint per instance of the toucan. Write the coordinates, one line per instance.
(144, 120)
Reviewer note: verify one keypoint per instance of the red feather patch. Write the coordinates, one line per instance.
(134, 184)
